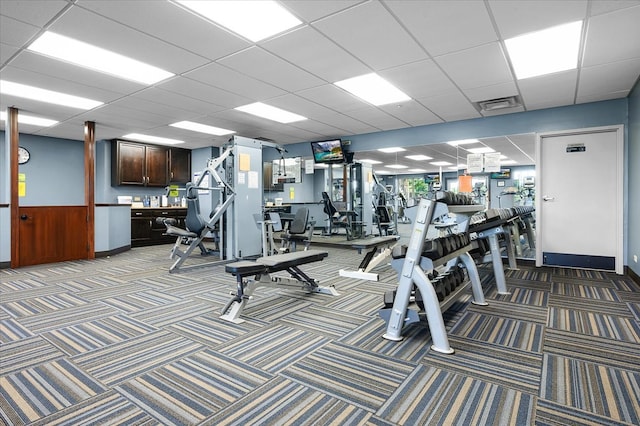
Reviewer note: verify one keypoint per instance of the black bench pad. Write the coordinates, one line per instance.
(245, 267)
(282, 262)
(279, 262)
(375, 242)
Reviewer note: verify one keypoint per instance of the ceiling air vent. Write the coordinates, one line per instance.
(499, 103)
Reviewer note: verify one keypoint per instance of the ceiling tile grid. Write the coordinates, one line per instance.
(444, 55)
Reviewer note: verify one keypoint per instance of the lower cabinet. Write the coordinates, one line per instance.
(145, 231)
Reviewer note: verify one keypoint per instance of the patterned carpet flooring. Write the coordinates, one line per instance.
(120, 341)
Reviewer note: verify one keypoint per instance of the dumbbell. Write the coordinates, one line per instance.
(433, 249)
(389, 297)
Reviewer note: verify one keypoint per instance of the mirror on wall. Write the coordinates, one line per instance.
(415, 171)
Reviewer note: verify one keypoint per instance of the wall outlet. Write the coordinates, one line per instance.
(635, 258)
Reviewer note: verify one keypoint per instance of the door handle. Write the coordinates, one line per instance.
(547, 198)
(24, 217)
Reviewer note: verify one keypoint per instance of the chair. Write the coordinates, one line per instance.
(300, 230)
(334, 217)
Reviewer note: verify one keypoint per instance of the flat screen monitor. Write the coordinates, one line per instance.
(328, 151)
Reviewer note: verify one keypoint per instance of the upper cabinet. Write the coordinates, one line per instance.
(179, 165)
(148, 165)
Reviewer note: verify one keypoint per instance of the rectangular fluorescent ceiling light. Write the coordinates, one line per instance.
(373, 89)
(462, 142)
(419, 157)
(441, 163)
(271, 113)
(481, 150)
(254, 20)
(152, 139)
(88, 56)
(29, 119)
(417, 170)
(508, 162)
(48, 96)
(391, 150)
(370, 161)
(397, 166)
(202, 128)
(544, 52)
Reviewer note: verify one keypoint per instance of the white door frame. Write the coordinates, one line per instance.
(619, 187)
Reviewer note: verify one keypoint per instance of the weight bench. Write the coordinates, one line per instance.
(261, 269)
(373, 258)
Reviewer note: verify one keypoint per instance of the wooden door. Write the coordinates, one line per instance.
(50, 234)
(579, 200)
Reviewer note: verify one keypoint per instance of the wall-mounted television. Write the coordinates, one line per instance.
(329, 151)
(502, 174)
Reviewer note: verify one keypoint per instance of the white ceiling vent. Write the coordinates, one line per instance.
(499, 103)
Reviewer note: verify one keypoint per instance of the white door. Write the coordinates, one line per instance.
(579, 199)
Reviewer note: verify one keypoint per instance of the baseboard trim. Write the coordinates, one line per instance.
(113, 252)
(632, 275)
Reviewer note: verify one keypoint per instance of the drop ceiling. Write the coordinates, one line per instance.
(446, 55)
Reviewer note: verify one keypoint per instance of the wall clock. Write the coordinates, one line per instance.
(23, 155)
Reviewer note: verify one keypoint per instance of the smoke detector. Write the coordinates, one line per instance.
(498, 103)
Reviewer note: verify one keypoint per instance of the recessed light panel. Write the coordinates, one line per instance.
(152, 139)
(254, 20)
(29, 119)
(88, 56)
(441, 163)
(391, 150)
(463, 142)
(397, 166)
(370, 161)
(202, 128)
(271, 113)
(44, 95)
(373, 89)
(419, 157)
(481, 150)
(544, 52)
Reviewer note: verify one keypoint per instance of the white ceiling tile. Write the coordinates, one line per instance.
(516, 17)
(495, 91)
(349, 124)
(419, 80)
(613, 37)
(235, 82)
(332, 97)
(94, 29)
(549, 90)
(176, 100)
(312, 51)
(450, 106)
(599, 7)
(597, 97)
(443, 27)
(264, 66)
(318, 128)
(300, 105)
(15, 33)
(311, 10)
(369, 32)
(412, 112)
(204, 92)
(7, 52)
(614, 77)
(169, 22)
(477, 67)
(34, 12)
(375, 118)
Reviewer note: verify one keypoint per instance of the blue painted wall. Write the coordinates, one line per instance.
(633, 192)
(54, 184)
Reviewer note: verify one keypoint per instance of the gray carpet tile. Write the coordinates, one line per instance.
(121, 341)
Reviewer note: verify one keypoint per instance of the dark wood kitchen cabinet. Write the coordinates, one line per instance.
(145, 229)
(139, 164)
(179, 165)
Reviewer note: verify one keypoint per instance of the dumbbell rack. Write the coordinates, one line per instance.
(412, 272)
